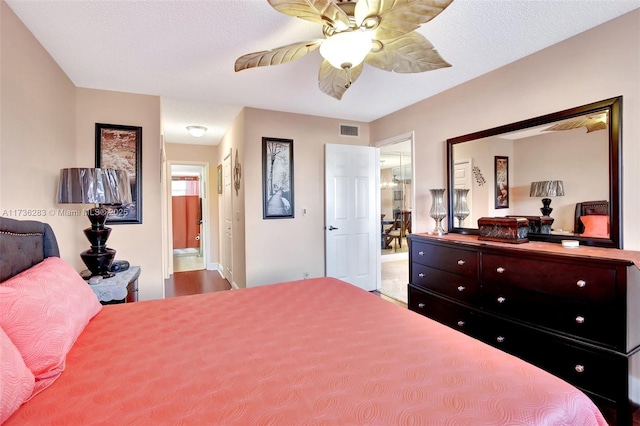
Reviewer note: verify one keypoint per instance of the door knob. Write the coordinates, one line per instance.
(331, 228)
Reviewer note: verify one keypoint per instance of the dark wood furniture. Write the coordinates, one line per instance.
(572, 313)
(401, 226)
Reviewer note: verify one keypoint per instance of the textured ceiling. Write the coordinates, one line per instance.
(184, 51)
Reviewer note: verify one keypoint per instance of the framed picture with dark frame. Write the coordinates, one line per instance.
(120, 147)
(277, 178)
(502, 182)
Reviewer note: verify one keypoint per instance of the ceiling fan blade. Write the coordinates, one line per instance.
(277, 56)
(407, 54)
(324, 12)
(591, 123)
(398, 17)
(334, 82)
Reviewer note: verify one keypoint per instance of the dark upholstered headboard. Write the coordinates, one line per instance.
(23, 243)
(589, 208)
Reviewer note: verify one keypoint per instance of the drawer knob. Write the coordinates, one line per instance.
(500, 339)
(420, 305)
(461, 288)
(501, 299)
(461, 262)
(421, 275)
(579, 368)
(581, 283)
(579, 319)
(460, 323)
(421, 253)
(500, 269)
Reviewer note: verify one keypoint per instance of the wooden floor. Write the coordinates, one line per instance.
(194, 282)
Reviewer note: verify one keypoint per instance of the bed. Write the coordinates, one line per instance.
(317, 351)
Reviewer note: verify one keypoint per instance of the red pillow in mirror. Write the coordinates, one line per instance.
(596, 226)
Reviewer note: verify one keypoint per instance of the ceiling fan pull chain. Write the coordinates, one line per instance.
(347, 71)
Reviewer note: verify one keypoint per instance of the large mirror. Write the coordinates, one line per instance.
(561, 171)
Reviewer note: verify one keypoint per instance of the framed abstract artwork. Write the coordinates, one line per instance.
(120, 147)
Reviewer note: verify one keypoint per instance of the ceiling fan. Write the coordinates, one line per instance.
(378, 32)
(590, 122)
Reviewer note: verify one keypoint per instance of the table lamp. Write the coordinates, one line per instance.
(100, 187)
(546, 189)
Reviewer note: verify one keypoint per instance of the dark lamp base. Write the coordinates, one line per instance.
(545, 209)
(98, 263)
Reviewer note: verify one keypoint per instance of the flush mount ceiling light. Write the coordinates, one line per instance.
(196, 131)
(380, 33)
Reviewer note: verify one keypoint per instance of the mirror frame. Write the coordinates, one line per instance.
(614, 107)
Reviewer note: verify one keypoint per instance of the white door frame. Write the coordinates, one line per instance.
(467, 165)
(226, 206)
(206, 226)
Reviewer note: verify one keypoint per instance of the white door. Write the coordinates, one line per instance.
(227, 195)
(352, 214)
(463, 179)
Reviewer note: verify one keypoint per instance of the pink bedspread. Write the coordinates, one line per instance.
(306, 353)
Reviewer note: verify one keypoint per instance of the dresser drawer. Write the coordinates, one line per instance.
(576, 282)
(598, 323)
(451, 285)
(595, 371)
(457, 261)
(455, 316)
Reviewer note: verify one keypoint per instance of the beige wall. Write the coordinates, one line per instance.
(140, 244)
(599, 64)
(38, 133)
(189, 154)
(49, 124)
(577, 158)
(282, 249)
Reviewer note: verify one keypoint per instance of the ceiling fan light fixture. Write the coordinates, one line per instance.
(346, 49)
(196, 131)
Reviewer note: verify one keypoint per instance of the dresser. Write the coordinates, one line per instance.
(572, 312)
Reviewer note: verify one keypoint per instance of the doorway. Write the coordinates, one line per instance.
(188, 183)
(396, 214)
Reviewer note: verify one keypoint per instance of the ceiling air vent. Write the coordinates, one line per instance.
(346, 130)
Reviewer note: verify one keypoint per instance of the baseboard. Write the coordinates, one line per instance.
(234, 286)
(213, 267)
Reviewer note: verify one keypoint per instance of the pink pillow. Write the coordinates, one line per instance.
(595, 226)
(16, 380)
(43, 310)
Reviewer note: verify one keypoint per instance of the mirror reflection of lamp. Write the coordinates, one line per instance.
(546, 189)
(99, 187)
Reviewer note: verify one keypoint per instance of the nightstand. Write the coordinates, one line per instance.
(122, 288)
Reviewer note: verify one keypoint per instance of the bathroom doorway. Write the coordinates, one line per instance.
(187, 193)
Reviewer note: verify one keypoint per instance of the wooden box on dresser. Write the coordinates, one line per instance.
(573, 312)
